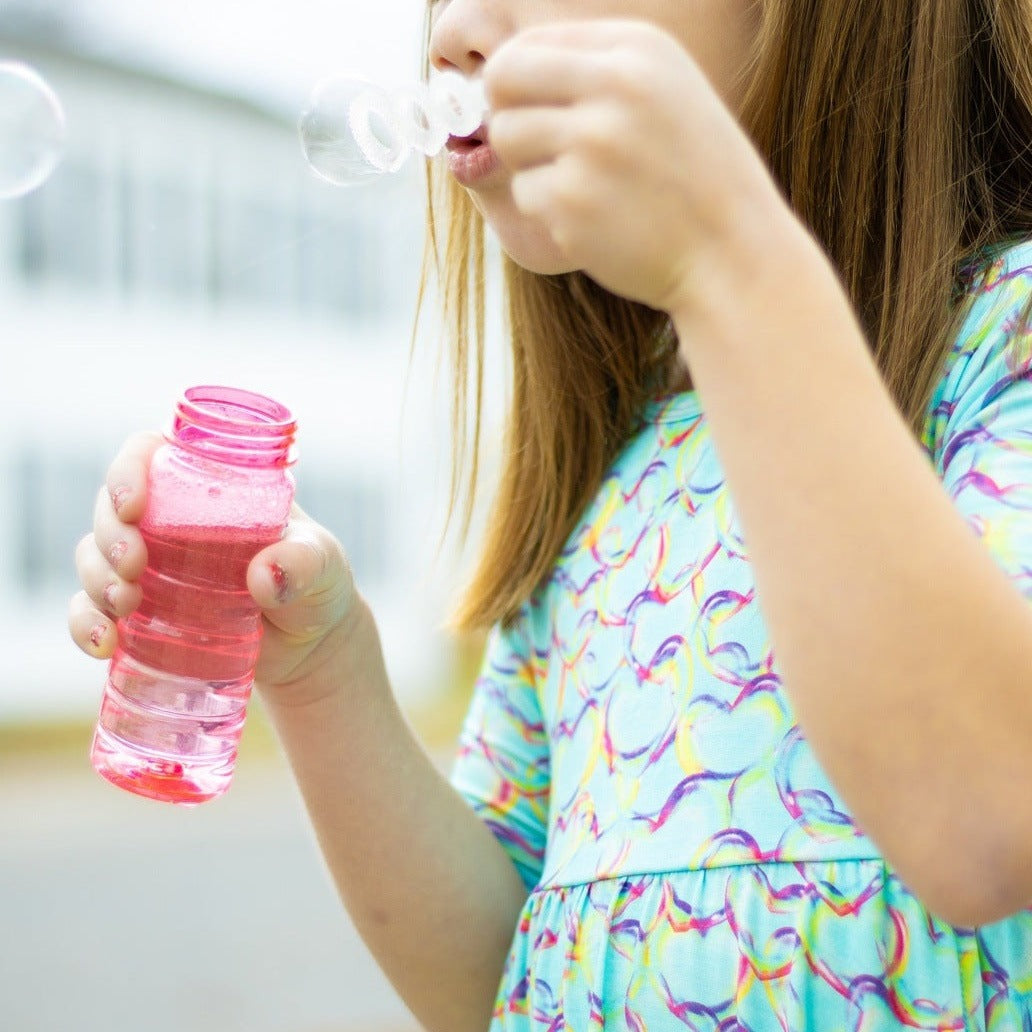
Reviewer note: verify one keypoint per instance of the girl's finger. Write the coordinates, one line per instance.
(307, 562)
(590, 35)
(539, 190)
(91, 630)
(525, 137)
(121, 544)
(108, 592)
(126, 480)
(523, 73)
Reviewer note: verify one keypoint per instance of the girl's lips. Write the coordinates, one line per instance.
(471, 159)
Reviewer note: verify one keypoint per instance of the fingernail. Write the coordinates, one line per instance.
(118, 497)
(97, 635)
(109, 595)
(117, 552)
(279, 580)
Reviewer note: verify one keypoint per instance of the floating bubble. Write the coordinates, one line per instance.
(32, 130)
(353, 130)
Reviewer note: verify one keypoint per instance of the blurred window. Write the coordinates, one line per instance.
(67, 229)
(120, 229)
(256, 248)
(52, 495)
(163, 226)
(356, 513)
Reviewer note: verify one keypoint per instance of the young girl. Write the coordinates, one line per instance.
(751, 744)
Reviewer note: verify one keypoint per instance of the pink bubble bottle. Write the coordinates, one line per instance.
(220, 490)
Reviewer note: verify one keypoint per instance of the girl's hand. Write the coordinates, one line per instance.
(620, 144)
(303, 583)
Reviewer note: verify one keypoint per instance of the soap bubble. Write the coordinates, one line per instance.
(353, 130)
(32, 130)
(332, 146)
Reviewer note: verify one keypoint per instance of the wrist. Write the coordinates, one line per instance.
(760, 241)
(348, 660)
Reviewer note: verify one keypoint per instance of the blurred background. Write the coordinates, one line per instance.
(181, 240)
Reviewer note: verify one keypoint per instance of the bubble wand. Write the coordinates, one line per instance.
(354, 131)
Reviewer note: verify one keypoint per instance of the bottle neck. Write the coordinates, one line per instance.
(235, 426)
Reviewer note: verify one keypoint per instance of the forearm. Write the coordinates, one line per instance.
(892, 626)
(432, 893)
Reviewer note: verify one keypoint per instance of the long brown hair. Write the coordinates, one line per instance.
(897, 130)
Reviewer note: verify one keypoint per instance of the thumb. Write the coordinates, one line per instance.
(307, 569)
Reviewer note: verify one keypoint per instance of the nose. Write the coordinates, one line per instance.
(464, 33)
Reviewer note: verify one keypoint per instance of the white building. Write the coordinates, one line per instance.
(183, 240)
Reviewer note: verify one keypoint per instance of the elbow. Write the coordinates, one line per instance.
(968, 910)
(977, 890)
(965, 855)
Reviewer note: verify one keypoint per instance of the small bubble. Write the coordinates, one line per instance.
(32, 130)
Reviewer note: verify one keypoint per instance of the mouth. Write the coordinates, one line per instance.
(465, 144)
(472, 160)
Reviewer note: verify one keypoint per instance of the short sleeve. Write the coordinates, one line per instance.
(502, 765)
(985, 453)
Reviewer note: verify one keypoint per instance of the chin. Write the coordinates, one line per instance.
(526, 242)
(541, 265)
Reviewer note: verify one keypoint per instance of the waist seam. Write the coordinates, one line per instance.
(671, 871)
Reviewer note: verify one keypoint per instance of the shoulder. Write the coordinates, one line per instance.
(993, 347)
(1000, 286)
(996, 333)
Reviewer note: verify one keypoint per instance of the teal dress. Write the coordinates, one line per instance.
(631, 745)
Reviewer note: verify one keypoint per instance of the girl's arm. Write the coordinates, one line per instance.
(432, 891)
(905, 648)
(433, 894)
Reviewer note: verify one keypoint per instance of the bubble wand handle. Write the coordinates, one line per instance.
(354, 131)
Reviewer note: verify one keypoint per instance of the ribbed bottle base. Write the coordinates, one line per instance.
(182, 780)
